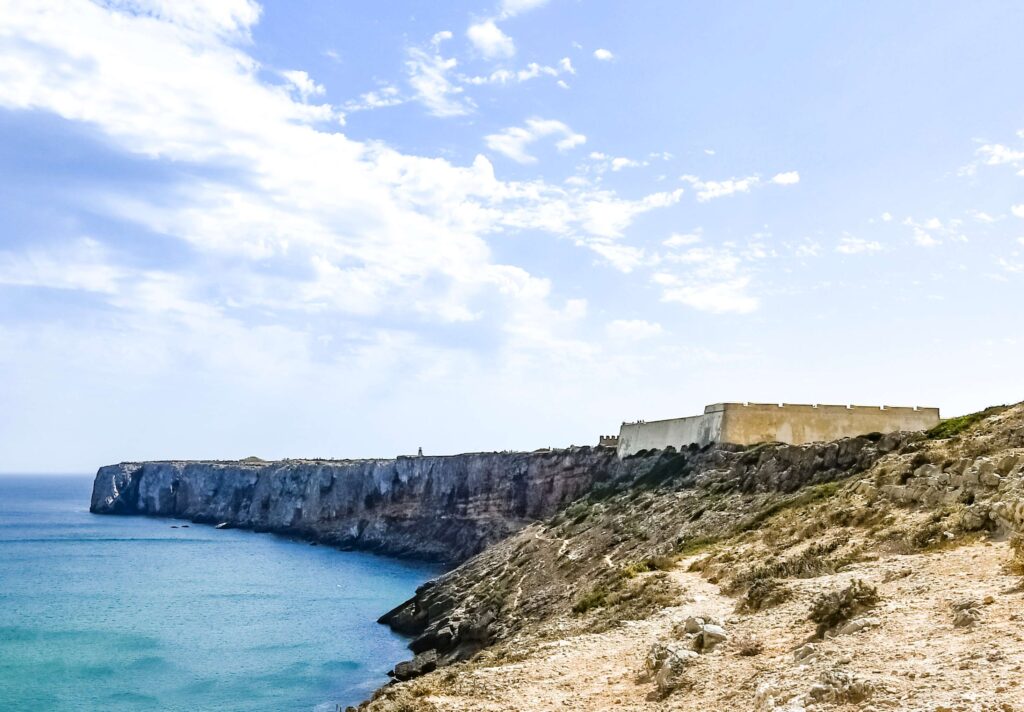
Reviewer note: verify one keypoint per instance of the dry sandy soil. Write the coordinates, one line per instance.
(913, 658)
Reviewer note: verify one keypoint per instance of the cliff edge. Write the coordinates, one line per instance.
(433, 508)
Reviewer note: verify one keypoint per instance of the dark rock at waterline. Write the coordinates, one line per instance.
(421, 664)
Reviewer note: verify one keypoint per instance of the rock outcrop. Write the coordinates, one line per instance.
(433, 508)
(651, 505)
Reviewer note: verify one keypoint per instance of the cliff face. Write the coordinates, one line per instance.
(655, 506)
(435, 508)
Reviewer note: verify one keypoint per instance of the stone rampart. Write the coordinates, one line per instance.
(751, 423)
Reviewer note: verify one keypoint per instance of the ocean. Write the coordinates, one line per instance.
(119, 614)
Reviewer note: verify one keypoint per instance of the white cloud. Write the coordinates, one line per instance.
(621, 162)
(633, 329)
(332, 215)
(1018, 210)
(83, 265)
(709, 151)
(926, 233)
(808, 249)
(377, 99)
(849, 245)
(492, 43)
(603, 55)
(711, 189)
(681, 240)
(711, 278)
(603, 214)
(923, 238)
(319, 224)
(303, 83)
(299, 246)
(428, 76)
(511, 8)
(508, 76)
(716, 297)
(997, 154)
(513, 141)
(886, 217)
(788, 178)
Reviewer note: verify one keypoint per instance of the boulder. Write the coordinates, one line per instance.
(805, 652)
(693, 625)
(420, 665)
(709, 637)
(666, 663)
(859, 624)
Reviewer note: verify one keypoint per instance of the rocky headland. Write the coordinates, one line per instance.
(878, 572)
(433, 508)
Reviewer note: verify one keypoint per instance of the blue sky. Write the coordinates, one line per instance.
(356, 228)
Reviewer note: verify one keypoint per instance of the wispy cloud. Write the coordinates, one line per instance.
(531, 71)
(711, 189)
(633, 329)
(513, 141)
(850, 245)
(511, 8)
(428, 74)
(303, 83)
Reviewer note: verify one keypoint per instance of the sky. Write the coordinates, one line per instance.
(327, 228)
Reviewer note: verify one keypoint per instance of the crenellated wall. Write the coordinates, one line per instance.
(751, 423)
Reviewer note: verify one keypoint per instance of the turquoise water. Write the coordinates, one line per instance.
(127, 613)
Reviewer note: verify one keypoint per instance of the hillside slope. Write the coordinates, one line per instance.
(871, 572)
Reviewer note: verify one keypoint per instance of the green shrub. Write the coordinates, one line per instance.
(764, 593)
(834, 607)
(808, 495)
(814, 560)
(654, 563)
(954, 426)
(595, 598)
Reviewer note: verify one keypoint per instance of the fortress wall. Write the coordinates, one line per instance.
(751, 423)
(747, 424)
(677, 432)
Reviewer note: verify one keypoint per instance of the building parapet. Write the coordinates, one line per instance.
(750, 423)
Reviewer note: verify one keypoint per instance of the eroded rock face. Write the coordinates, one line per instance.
(546, 566)
(435, 508)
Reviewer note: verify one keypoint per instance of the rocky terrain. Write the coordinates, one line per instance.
(434, 508)
(870, 573)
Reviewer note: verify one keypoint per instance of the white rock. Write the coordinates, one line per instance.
(693, 624)
(859, 624)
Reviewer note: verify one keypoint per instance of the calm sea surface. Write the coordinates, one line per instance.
(127, 613)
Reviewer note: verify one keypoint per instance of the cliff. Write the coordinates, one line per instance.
(433, 508)
(881, 572)
(657, 505)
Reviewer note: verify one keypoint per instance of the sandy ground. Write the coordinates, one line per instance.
(913, 659)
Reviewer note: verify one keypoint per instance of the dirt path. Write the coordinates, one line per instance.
(912, 659)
